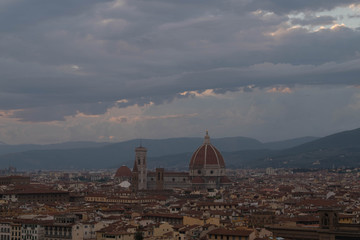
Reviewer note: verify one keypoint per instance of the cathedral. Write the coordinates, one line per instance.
(206, 171)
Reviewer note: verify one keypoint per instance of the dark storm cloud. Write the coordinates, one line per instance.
(19, 14)
(58, 112)
(265, 75)
(59, 58)
(302, 47)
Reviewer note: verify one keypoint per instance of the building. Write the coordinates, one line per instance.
(207, 167)
(5, 230)
(123, 176)
(30, 193)
(164, 217)
(329, 229)
(161, 179)
(32, 230)
(206, 171)
(222, 233)
(16, 180)
(15, 231)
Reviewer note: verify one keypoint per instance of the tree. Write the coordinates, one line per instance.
(139, 235)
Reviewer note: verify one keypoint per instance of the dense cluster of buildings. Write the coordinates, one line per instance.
(208, 202)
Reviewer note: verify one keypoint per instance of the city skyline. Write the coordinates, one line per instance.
(119, 70)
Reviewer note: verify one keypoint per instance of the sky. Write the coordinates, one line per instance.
(115, 70)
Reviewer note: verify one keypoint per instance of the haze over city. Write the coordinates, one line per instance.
(92, 70)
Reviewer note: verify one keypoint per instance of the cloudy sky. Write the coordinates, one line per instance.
(113, 70)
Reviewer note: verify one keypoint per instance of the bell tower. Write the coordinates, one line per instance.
(140, 163)
(159, 178)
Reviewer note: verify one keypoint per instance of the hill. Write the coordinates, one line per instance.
(336, 150)
(5, 148)
(169, 153)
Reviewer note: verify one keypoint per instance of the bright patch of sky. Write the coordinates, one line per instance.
(350, 16)
(344, 16)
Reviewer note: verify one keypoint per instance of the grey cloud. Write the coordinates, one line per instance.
(59, 112)
(314, 21)
(20, 14)
(225, 90)
(301, 47)
(354, 16)
(149, 98)
(286, 7)
(149, 51)
(268, 74)
(44, 114)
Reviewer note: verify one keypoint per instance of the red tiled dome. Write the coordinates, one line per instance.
(123, 171)
(206, 155)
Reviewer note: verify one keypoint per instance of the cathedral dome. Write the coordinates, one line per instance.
(206, 156)
(123, 171)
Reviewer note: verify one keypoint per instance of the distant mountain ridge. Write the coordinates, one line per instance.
(336, 150)
(6, 148)
(289, 143)
(80, 155)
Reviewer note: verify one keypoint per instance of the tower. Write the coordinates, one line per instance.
(159, 178)
(140, 183)
(135, 178)
(328, 218)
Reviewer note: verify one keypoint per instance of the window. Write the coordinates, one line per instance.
(199, 171)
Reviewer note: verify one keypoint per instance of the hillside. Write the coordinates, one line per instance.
(337, 150)
(5, 148)
(170, 153)
(111, 155)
